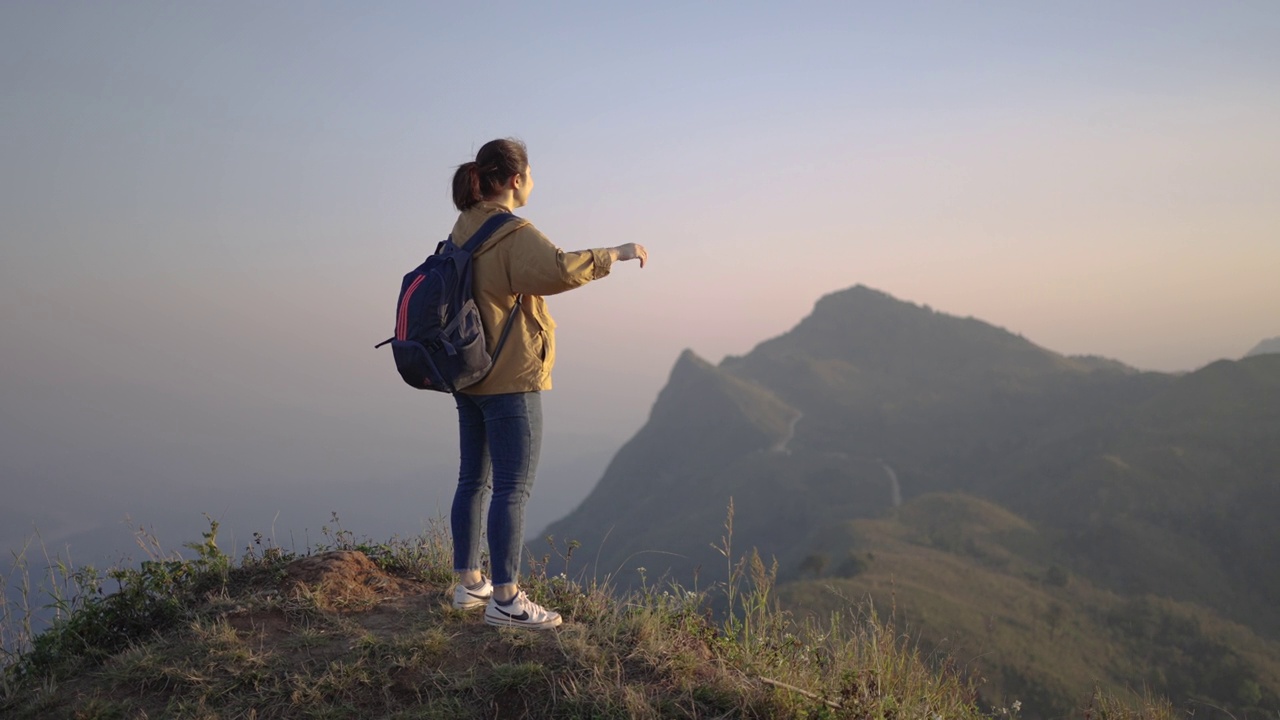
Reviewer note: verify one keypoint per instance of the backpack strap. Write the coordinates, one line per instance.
(486, 231)
(506, 330)
(473, 244)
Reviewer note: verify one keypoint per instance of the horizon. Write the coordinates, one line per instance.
(207, 211)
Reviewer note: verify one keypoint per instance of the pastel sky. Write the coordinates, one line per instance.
(205, 209)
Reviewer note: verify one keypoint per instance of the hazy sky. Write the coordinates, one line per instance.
(205, 209)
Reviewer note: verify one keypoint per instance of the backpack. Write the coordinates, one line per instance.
(439, 342)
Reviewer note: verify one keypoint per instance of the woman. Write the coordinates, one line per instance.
(500, 418)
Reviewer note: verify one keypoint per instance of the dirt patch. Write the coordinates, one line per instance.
(344, 581)
(394, 616)
(270, 625)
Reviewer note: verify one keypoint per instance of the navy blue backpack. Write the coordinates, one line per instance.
(439, 342)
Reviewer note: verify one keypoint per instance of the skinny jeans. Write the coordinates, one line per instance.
(501, 439)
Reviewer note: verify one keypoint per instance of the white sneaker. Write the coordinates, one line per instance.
(464, 599)
(522, 612)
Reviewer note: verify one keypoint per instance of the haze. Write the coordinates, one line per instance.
(206, 208)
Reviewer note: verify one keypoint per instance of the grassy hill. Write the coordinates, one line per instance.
(980, 584)
(356, 629)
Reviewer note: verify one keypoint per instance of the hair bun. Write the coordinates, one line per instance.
(496, 161)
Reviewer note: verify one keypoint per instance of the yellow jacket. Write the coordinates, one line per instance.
(520, 260)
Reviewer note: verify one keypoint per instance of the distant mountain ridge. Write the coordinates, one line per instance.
(1265, 347)
(1130, 482)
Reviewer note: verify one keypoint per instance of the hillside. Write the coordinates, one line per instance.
(1135, 485)
(365, 630)
(976, 582)
(1178, 496)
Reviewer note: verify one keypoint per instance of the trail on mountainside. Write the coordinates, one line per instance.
(784, 445)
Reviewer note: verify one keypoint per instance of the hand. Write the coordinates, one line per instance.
(631, 251)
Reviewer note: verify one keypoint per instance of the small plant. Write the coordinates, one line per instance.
(92, 625)
(1104, 707)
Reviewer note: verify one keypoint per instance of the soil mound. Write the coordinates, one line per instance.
(344, 580)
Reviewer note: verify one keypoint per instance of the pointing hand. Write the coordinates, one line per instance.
(631, 251)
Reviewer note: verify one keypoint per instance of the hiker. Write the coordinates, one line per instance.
(500, 417)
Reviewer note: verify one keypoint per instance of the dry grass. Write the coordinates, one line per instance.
(331, 635)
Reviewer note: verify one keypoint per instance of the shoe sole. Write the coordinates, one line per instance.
(505, 622)
(473, 601)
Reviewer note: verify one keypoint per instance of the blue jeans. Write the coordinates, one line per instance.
(501, 436)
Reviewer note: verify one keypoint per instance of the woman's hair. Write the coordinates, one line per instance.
(496, 162)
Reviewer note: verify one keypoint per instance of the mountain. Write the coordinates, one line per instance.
(1269, 346)
(834, 440)
(876, 389)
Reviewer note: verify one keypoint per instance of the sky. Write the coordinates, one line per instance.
(206, 209)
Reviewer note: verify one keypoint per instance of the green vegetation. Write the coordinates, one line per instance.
(974, 581)
(360, 629)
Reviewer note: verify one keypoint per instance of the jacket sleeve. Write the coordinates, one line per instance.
(538, 267)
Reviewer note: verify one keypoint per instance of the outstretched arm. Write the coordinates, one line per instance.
(538, 267)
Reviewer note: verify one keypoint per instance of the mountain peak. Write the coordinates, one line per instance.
(873, 331)
(691, 362)
(862, 294)
(696, 386)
